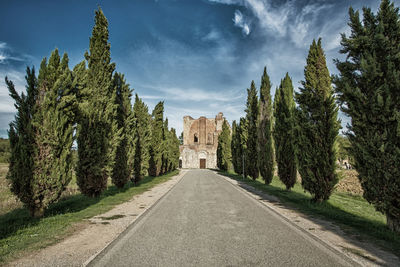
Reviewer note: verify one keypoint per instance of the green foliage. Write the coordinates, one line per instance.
(170, 149)
(284, 137)
(5, 150)
(156, 143)
(97, 133)
(317, 127)
(251, 157)
(22, 140)
(265, 147)
(181, 138)
(224, 155)
(243, 136)
(165, 153)
(173, 149)
(43, 149)
(142, 133)
(53, 122)
(122, 169)
(236, 148)
(368, 89)
(343, 147)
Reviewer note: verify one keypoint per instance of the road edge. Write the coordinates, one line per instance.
(111, 244)
(287, 220)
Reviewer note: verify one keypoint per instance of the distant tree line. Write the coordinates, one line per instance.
(89, 105)
(305, 136)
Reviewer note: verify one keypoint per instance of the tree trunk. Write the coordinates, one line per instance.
(393, 223)
(37, 212)
(317, 200)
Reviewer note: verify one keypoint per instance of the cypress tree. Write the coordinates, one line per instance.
(156, 143)
(368, 89)
(224, 155)
(243, 136)
(284, 108)
(317, 127)
(22, 142)
(174, 150)
(122, 169)
(96, 128)
(165, 145)
(265, 149)
(235, 147)
(47, 114)
(251, 161)
(142, 137)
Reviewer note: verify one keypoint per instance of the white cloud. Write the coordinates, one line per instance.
(285, 20)
(2, 58)
(240, 22)
(271, 18)
(213, 35)
(303, 30)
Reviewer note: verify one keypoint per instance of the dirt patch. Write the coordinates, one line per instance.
(349, 183)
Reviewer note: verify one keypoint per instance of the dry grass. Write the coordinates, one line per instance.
(349, 183)
(8, 201)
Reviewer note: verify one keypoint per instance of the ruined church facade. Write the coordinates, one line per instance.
(200, 142)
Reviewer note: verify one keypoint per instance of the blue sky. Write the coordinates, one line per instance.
(199, 56)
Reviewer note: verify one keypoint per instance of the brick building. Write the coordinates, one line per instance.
(200, 142)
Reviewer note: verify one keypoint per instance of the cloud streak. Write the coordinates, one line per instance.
(239, 21)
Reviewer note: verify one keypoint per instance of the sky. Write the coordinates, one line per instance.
(198, 56)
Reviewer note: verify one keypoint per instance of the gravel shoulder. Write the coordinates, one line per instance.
(98, 232)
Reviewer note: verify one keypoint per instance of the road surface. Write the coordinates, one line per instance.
(206, 221)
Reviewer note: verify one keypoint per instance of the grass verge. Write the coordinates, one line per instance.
(352, 213)
(19, 233)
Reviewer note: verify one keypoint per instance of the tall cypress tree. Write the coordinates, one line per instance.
(317, 127)
(368, 88)
(243, 136)
(224, 155)
(142, 138)
(53, 122)
(174, 150)
(265, 149)
(156, 143)
(122, 169)
(284, 137)
(235, 147)
(165, 145)
(96, 112)
(251, 161)
(47, 114)
(22, 142)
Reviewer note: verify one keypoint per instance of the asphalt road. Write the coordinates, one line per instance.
(206, 221)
